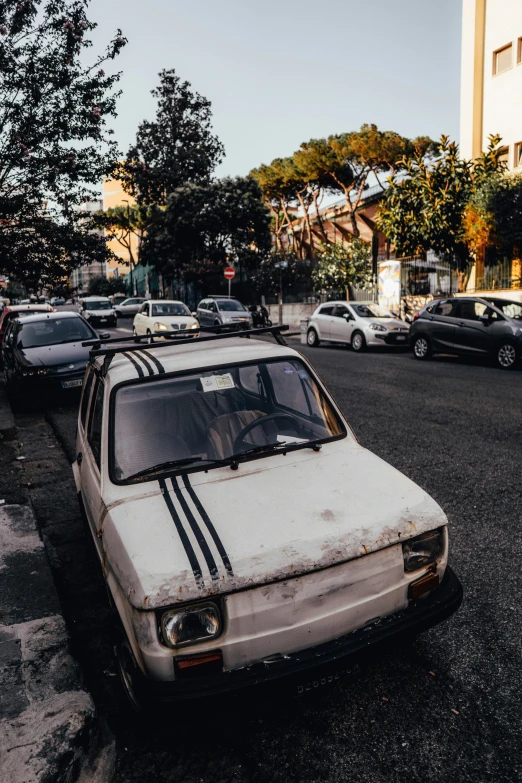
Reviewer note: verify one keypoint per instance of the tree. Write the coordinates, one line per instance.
(426, 209)
(102, 286)
(493, 216)
(55, 145)
(176, 148)
(343, 266)
(206, 227)
(278, 193)
(122, 223)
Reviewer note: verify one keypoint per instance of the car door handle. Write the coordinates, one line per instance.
(79, 458)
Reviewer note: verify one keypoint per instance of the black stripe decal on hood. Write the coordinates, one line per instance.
(210, 527)
(153, 359)
(145, 362)
(200, 538)
(135, 363)
(193, 560)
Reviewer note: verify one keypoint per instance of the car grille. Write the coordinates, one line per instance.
(178, 326)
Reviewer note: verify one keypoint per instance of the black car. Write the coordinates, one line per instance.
(44, 351)
(489, 327)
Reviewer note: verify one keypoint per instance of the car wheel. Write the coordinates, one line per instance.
(421, 348)
(312, 339)
(506, 356)
(358, 342)
(128, 671)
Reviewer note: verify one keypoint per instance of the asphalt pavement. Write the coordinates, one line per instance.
(446, 707)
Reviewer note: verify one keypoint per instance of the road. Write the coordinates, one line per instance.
(446, 707)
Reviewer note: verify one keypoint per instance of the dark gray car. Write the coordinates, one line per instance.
(489, 327)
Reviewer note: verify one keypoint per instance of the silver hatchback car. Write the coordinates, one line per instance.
(359, 324)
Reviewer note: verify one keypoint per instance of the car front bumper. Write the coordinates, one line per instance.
(51, 381)
(308, 669)
(398, 339)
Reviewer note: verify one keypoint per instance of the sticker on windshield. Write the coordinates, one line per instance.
(217, 382)
(289, 370)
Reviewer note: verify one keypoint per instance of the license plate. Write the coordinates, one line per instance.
(401, 338)
(72, 384)
(102, 320)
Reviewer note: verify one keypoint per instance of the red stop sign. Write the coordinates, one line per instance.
(229, 272)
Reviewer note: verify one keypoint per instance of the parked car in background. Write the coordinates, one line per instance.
(359, 324)
(98, 310)
(222, 311)
(491, 328)
(342, 553)
(57, 301)
(129, 307)
(117, 299)
(17, 311)
(44, 351)
(162, 315)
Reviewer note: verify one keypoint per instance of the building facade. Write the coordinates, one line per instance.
(81, 276)
(491, 78)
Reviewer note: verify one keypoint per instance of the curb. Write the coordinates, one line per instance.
(49, 727)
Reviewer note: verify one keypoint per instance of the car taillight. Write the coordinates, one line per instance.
(415, 316)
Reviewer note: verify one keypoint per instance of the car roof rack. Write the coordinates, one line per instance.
(174, 338)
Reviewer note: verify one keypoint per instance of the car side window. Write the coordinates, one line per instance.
(472, 310)
(340, 311)
(447, 308)
(95, 421)
(85, 396)
(326, 310)
(212, 307)
(145, 309)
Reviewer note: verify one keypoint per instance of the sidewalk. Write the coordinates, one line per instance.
(49, 729)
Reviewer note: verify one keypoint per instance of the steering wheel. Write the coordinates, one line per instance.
(257, 423)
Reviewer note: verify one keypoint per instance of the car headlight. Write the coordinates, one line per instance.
(32, 371)
(194, 326)
(192, 624)
(378, 327)
(422, 550)
(161, 327)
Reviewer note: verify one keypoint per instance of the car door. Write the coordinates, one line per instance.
(323, 320)
(473, 335)
(341, 324)
(89, 449)
(141, 319)
(440, 324)
(202, 313)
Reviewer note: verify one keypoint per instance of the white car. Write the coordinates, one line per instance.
(245, 536)
(359, 324)
(162, 315)
(129, 307)
(98, 311)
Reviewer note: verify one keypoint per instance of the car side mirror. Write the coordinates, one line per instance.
(194, 315)
(347, 316)
(104, 335)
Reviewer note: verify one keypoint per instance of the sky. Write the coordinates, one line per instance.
(279, 73)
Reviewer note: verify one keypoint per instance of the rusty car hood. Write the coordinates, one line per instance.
(208, 533)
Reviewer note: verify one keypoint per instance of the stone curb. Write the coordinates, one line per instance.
(49, 727)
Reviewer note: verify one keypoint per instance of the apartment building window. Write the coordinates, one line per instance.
(502, 59)
(503, 155)
(518, 154)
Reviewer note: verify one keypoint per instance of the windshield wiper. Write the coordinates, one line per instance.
(286, 446)
(176, 463)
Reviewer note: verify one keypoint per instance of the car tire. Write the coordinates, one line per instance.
(128, 671)
(312, 338)
(358, 342)
(506, 356)
(421, 348)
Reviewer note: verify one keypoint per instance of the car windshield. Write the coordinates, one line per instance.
(101, 305)
(211, 415)
(510, 309)
(372, 311)
(50, 332)
(230, 305)
(170, 308)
